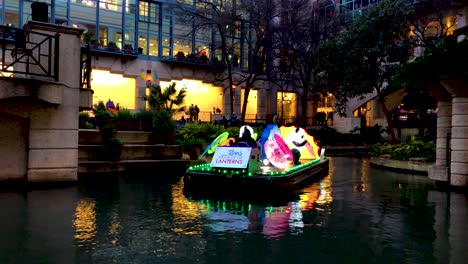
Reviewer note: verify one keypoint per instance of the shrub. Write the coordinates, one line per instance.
(415, 148)
(108, 131)
(145, 115)
(124, 114)
(115, 142)
(89, 126)
(163, 122)
(205, 131)
(192, 142)
(84, 115)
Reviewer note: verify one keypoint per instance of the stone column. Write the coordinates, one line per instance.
(53, 131)
(440, 171)
(458, 88)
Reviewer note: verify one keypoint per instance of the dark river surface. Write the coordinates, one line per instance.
(356, 214)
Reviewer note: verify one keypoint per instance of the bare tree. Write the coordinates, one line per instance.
(303, 26)
(219, 18)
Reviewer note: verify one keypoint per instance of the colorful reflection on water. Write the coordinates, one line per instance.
(355, 214)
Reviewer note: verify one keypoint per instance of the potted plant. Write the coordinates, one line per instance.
(204, 59)
(192, 58)
(112, 46)
(83, 118)
(128, 48)
(193, 147)
(101, 115)
(123, 119)
(145, 118)
(180, 56)
(87, 37)
(113, 149)
(165, 125)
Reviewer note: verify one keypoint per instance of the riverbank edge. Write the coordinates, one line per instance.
(413, 166)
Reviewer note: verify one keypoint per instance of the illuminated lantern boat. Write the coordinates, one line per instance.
(284, 157)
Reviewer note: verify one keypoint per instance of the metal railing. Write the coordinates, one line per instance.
(29, 52)
(85, 66)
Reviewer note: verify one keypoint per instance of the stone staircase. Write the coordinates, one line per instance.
(139, 154)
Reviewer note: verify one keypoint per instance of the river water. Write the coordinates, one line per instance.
(356, 214)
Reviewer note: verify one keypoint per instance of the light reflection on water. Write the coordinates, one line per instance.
(355, 214)
(85, 222)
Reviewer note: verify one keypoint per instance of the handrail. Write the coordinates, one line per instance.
(30, 52)
(85, 66)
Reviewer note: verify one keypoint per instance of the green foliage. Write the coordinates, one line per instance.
(115, 142)
(439, 61)
(233, 131)
(205, 131)
(99, 110)
(108, 131)
(89, 126)
(193, 142)
(166, 99)
(83, 115)
(124, 114)
(145, 115)
(163, 121)
(356, 61)
(415, 148)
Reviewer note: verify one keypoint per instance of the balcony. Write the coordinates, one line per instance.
(97, 49)
(195, 62)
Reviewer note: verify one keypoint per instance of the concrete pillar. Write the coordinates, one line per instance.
(444, 126)
(457, 87)
(53, 134)
(459, 153)
(440, 171)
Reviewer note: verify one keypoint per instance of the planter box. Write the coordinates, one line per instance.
(129, 152)
(414, 166)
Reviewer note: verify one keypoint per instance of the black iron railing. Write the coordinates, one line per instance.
(85, 66)
(29, 52)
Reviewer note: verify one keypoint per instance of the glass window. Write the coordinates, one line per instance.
(11, 18)
(103, 36)
(148, 27)
(286, 104)
(153, 46)
(128, 39)
(60, 11)
(183, 44)
(142, 43)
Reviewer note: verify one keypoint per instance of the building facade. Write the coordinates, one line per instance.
(138, 42)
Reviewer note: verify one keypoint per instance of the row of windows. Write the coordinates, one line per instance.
(149, 25)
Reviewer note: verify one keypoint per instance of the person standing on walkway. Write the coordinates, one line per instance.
(197, 111)
(110, 104)
(191, 113)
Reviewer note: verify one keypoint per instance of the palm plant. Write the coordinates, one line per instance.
(168, 99)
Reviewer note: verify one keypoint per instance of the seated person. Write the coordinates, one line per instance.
(246, 140)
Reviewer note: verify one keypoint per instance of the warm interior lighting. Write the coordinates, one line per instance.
(6, 74)
(205, 95)
(116, 87)
(252, 106)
